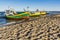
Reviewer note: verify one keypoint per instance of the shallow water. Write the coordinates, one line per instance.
(2, 21)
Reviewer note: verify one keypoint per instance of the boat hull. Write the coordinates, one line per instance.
(34, 15)
(18, 16)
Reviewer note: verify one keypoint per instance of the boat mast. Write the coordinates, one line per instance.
(24, 9)
(37, 10)
(27, 8)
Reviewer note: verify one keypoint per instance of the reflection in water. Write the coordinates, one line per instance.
(2, 21)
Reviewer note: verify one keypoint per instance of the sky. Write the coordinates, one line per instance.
(18, 5)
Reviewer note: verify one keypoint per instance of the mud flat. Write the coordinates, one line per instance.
(42, 28)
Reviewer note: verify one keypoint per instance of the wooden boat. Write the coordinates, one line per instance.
(37, 13)
(15, 16)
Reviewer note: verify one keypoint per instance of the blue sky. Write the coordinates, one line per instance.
(18, 5)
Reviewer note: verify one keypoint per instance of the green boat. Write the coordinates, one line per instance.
(16, 16)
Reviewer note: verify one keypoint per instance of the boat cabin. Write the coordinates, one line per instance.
(10, 12)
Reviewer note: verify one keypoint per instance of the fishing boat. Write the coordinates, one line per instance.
(12, 15)
(37, 13)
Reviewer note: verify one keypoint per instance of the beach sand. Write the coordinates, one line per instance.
(42, 28)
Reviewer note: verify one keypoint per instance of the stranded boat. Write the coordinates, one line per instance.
(37, 13)
(12, 15)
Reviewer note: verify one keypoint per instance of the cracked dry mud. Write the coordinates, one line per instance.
(46, 28)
